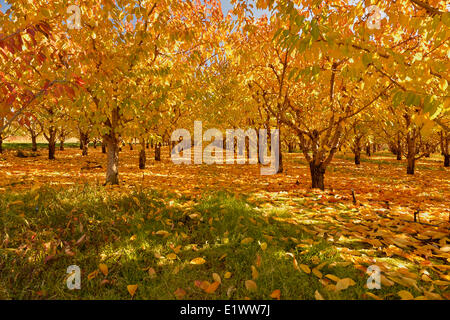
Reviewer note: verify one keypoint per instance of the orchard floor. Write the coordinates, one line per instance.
(258, 237)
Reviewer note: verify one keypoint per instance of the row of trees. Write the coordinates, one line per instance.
(314, 70)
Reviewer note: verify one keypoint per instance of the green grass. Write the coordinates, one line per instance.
(41, 228)
(28, 146)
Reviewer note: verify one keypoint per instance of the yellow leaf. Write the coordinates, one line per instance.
(317, 273)
(213, 287)
(204, 285)
(370, 294)
(441, 283)
(305, 268)
(133, 237)
(198, 261)
(227, 275)
(180, 293)
(247, 241)
(152, 273)
(92, 275)
(217, 278)
(386, 282)
(162, 233)
(103, 268)
(405, 295)
(255, 273)
(344, 284)
(276, 294)
(332, 277)
(251, 285)
(132, 289)
(171, 256)
(318, 296)
(263, 246)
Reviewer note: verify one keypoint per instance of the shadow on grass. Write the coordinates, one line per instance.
(47, 229)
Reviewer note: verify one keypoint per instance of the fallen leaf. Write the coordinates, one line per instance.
(251, 285)
(276, 294)
(198, 261)
(318, 296)
(405, 295)
(217, 278)
(171, 256)
(305, 268)
(103, 268)
(247, 241)
(179, 293)
(255, 273)
(132, 289)
(213, 287)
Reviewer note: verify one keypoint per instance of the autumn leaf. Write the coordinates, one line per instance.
(172, 256)
(405, 295)
(103, 268)
(180, 293)
(217, 278)
(213, 287)
(132, 289)
(344, 284)
(227, 275)
(276, 294)
(251, 285)
(198, 261)
(317, 273)
(255, 273)
(247, 241)
(305, 268)
(92, 275)
(318, 296)
(152, 273)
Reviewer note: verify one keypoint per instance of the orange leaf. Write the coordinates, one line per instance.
(276, 294)
(132, 289)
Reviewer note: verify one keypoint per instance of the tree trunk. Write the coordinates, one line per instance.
(411, 155)
(368, 150)
(1, 144)
(317, 176)
(142, 156)
(357, 149)
(411, 165)
(33, 143)
(399, 154)
(51, 138)
(84, 143)
(51, 148)
(358, 157)
(399, 148)
(112, 170)
(290, 147)
(103, 146)
(445, 139)
(158, 152)
(61, 145)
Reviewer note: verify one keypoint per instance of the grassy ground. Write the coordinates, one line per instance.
(278, 233)
(49, 229)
